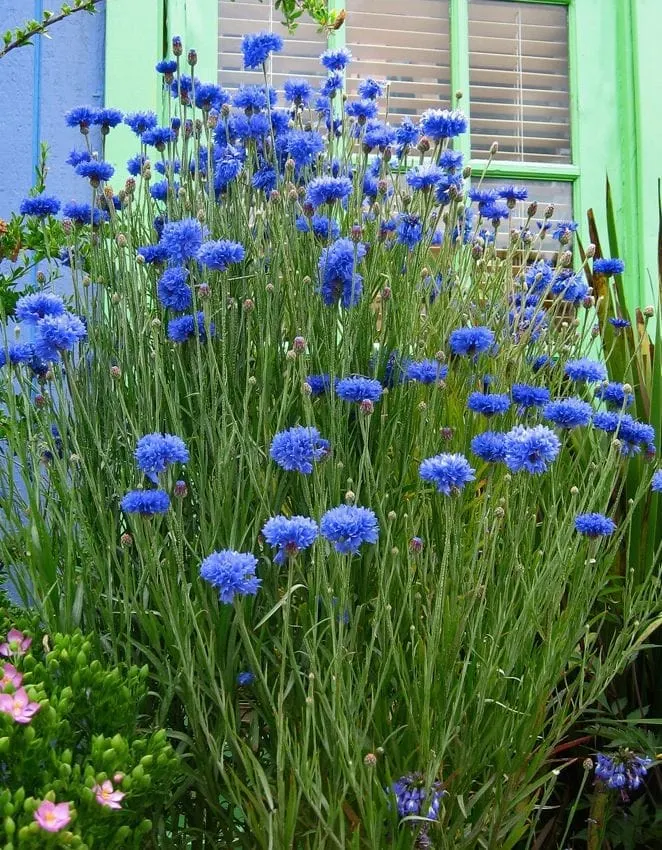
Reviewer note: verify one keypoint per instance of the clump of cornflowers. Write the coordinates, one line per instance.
(468, 342)
(594, 525)
(530, 449)
(107, 796)
(450, 473)
(231, 573)
(155, 452)
(145, 502)
(622, 771)
(298, 448)
(358, 388)
(290, 535)
(18, 706)
(348, 527)
(53, 817)
(17, 644)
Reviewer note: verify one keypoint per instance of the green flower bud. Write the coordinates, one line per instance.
(10, 827)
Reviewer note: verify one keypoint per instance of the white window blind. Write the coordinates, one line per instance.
(299, 59)
(518, 58)
(406, 44)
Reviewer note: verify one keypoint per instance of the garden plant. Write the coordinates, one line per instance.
(339, 443)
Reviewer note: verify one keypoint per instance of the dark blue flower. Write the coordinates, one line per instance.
(141, 122)
(155, 452)
(245, 678)
(426, 371)
(490, 446)
(298, 92)
(172, 289)
(438, 124)
(377, 134)
(304, 147)
(81, 117)
(40, 206)
(228, 168)
(608, 267)
(361, 110)
(614, 395)
(166, 66)
(370, 89)
(135, 165)
(513, 193)
(656, 483)
(83, 213)
(183, 328)
(319, 384)
(160, 190)
(634, 434)
(296, 449)
(619, 323)
(348, 527)
(594, 525)
(265, 179)
(257, 47)
(406, 135)
(158, 137)
(531, 449)
(220, 255)
(107, 117)
(451, 160)
(75, 157)
(526, 395)
(448, 472)
(409, 230)
(31, 308)
(568, 412)
(231, 573)
(153, 253)
(182, 239)
(17, 353)
(56, 334)
(253, 98)
(489, 404)
(145, 502)
(471, 341)
(585, 370)
(494, 212)
(414, 798)
(327, 190)
(337, 272)
(209, 96)
(173, 167)
(95, 171)
(563, 230)
(358, 388)
(290, 535)
(321, 225)
(425, 176)
(182, 87)
(337, 59)
(622, 771)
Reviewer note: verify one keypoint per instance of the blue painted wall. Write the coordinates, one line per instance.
(68, 69)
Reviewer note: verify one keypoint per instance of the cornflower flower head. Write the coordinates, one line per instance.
(75, 157)
(618, 323)
(141, 122)
(426, 371)
(336, 60)
(160, 190)
(622, 771)
(319, 384)
(489, 404)
(106, 118)
(231, 573)
(145, 502)
(414, 798)
(209, 96)
(107, 796)
(297, 448)
(10, 677)
(83, 213)
(607, 267)
(512, 194)
(56, 334)
(614, 395)
(257, 47)
(594, 525)
(370, 89)
(409, 230)
(490, 446)
(656, 483)
(328, 190)
(358, 388)
(52, 817)
(245, 678)
(253, 98)
(18, 706)
(290, 535)
(426, 176)
(531, 449)
(438, 124)
(471, 341)
(322, 226)
(95, 171)
(304, 146)
(220, 255)
(348, 527)
(153, 253)
(184, 328)
(378, 134)
(526, 395)
(17, 644)
(449, 472)
(167, 67)
(182, 239)
(587, 370)
(40, 206)
(173, 291)
(31, 308)
(81, 117)
(264, 178)
(337, 272)
(17, 353)
(568, 412)
(361, 110)
(634, 434)
(155, 452)
(158, 137)
(298, 92)
(406, 135)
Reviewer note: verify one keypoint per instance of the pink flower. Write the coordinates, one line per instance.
(10, 676)
(106, 796)
(18, 706)
(17, 644)
(53, 816)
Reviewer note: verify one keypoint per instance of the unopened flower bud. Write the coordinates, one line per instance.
(177, 48)
(446, 433)
(494, 148)
(549, 211)
(293, 196)
(356, 232)
(204, 290)
(126, 540)
(370, 760)
(350, 497)
(588, 301)
(566, 259)
(252, 380)
(422, 406)
(115, 372)
(423, 145)
(156, 323)
(299, 344)
(192, 58)
(39, 400)
(274, 195)
(291, 354)
(269, 288)
(574, 490)
(649, 311)
(41, 277)
(180, 489)
(532, 209)
(116, 298)
(306, 389)
(367, 407)
(248, 305)
(386, 293)
(121, 240)
(306, 281)
(590, 251)
(391, 516)
(416, 544)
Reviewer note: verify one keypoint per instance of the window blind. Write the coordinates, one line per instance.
(299, 59)
(519, 81)
(407, 45)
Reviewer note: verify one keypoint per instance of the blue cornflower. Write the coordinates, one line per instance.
(338, 278)
(563, 230)
(451, 160)
(568, 412)
(219, 255)
(81, 117)
(511, 194)
(298, 92)
(95, 171)
(471, 341)
(290, 535)
(336, 60)
(359, 388)
(319, 384)
(83, 213)
(438, 124)
(370, 89)
(16, 353)
(304, 147)
(154, 452)
(173, 291)
(425, 176)
(482, 197)
(167, 67)
(377, 134)
(349, 526)
(494, 212)
(153, 253)
(183, 328)
(326, 190)
(58, 333)
(413, 798)
(406, 135)
(361, 110)
(576, 290)
(75, 157)
(228, 168)
(265, 179)
(245, 678)
(409, 230)
(585, 370)
(31, 308)
(426, 371)
(257, 47)
(449, 472)
(253, 98)
(634, 434)
(231, 573)
(173, 166)
(209, 96)
(490, 446)
(158, 137)
(107, 117)
(618, 323)
(531, 449)
(594, 525)
(489, 404)
(40, 206)
(296, 449)
(623, 771)
(141, 122)
(607, 422)
(145, 502)
(321, 225)
(608, 267)
(526, 395)
(182, 87)
(161, 189)
(135, 165)
(614, 395)
(182, 239)
(656, 483)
